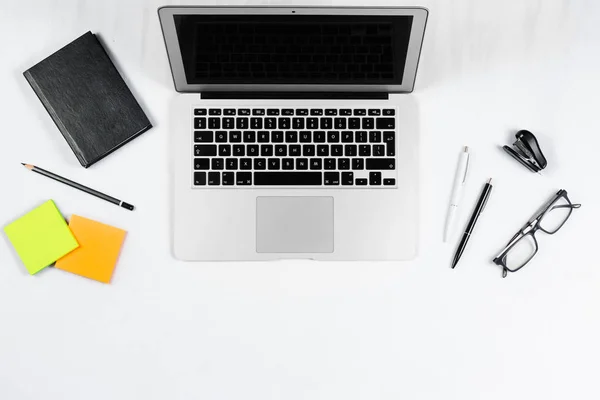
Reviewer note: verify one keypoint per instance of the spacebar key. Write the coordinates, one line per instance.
(287, 178)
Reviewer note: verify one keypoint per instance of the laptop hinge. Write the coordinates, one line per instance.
(297, 95)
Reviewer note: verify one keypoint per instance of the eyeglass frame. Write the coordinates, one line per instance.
(531, 227)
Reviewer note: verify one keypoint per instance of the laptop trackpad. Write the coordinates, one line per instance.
(294, 224)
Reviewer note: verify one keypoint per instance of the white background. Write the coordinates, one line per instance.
(307, 330)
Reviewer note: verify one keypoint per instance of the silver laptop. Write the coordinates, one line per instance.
(294, 136)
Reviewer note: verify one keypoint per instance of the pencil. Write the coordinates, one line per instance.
(76, 185)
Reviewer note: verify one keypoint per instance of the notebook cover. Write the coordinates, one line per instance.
(88, 100)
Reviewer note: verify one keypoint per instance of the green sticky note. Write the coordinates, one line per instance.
(41, 237)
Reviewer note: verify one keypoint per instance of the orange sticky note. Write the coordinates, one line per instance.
(98, 251)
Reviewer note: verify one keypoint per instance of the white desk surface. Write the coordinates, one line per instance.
(166, 329)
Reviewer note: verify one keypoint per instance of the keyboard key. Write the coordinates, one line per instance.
(340, 123)
(389, 138)
(229, 111)
(235, 137)
(374, 178)
(201, 163)
(374, 111)
(381, 163)
(330, 163)
(337, 150)
(272, 111)
(378, 150)
(270, 123)
(322, 150)
(231, 163)
(319, 136)
(295, 150)
(316, 111)
(368, 123)
(249, 136)
(343, 163)
(291, 137)
(273, 163)
(287, 178)
(214, 111)
(221, 136)
(243, 111)
(389, 181)
(347, 137)
(266, 150)
(308, 150)
(263, 137)
(199, 123)
(205, 150)
(350, 150)
(260, 163)
(389, 112)
(312, 123)
(200, 111)
(301, 163)
(298, 123)
(239, 150)
(375, 137)
(214, 178)
(330, 111)
(224, 150)
(386, 123)
(332, 178)
(243, 178)
(284, 123)
(333, 136)
(252, 150)
(305, 137)
(245, 163)
(287, 111)
(361, 182)
(277, 136)
(364, 150)
(316, 163)
(361, 137)
(281, 150)
(361, 111)
(256, 123)
(241, 123)
(287, 163)
(358, 163)
(228, 178)
(214, 123)
(345, 111)
(302, 111)
(228, 123)
(258, 111)
(217, 163)
(203, 136)
(347, 178)
(353, 123)
(326, 123)
(199, 178)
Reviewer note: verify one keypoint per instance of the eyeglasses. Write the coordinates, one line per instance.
(524, 246)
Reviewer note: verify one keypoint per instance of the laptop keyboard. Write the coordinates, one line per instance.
(294, 147)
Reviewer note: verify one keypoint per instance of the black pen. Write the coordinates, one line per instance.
(79, 186)
(485, 194)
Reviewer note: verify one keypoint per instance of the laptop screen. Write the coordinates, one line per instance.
(294, 49)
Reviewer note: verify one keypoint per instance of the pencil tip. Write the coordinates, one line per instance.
(23, 163)
(28, 166)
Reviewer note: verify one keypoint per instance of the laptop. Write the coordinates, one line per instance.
(294, 135)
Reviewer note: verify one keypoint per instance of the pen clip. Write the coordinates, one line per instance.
(487, 196)
(464, 179)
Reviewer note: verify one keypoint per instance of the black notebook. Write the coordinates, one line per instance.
(88, 100)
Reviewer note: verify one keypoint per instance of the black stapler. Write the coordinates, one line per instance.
(526, 150)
